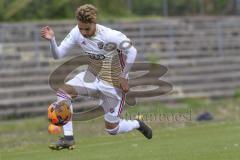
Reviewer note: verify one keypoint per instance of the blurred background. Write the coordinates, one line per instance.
(197, 40)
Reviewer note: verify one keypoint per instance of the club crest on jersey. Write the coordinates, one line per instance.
(100, 45)
(110, 47)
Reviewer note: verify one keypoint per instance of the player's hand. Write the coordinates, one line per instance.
(124, 84)
(47, 33)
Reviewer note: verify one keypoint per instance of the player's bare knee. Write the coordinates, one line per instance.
(70, 90)
(112, 128)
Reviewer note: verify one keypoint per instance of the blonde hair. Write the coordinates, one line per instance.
(86, 13)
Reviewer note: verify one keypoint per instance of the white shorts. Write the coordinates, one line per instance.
(112, 99)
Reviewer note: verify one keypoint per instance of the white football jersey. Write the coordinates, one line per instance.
(105, 50)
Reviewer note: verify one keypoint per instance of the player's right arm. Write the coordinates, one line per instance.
(57, 51)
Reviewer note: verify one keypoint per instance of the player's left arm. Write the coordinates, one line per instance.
(131, 54)
(125, 45)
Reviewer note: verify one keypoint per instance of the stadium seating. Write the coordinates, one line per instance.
(201, 54)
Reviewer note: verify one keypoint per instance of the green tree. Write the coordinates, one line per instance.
(18, 10)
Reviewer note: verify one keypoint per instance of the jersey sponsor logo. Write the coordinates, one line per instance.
(96, 56)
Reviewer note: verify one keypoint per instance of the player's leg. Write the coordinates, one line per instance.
(70, 90)
(115, 124)
(66, 92)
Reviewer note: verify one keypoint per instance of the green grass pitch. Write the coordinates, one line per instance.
(216, 140)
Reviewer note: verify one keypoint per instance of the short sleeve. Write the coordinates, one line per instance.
(121, 41)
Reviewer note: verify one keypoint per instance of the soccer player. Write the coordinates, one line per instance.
(108, 71)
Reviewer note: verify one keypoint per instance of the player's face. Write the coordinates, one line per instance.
(87, 29)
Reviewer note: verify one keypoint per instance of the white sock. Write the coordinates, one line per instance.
(127, 125)
(68, 128)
